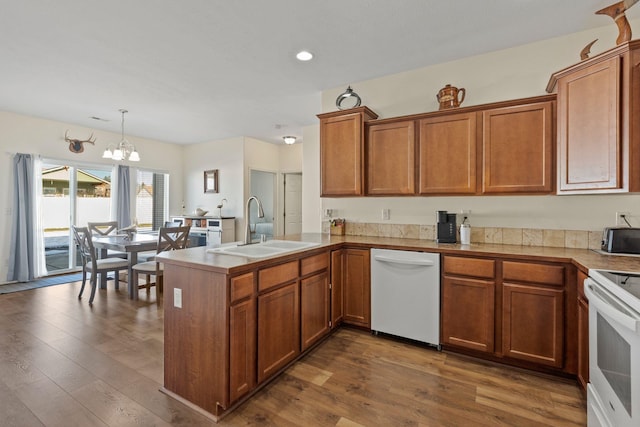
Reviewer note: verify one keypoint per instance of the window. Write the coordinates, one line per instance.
(152, 199)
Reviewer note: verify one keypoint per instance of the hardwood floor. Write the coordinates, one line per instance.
(64, 363)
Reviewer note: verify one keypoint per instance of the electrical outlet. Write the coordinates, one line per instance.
(620, 218)
(386, 214)
(177, 297)
(328, 213)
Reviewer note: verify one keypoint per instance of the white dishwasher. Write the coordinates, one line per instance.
(405, 294)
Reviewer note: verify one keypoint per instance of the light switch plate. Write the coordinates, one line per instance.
(177, 297)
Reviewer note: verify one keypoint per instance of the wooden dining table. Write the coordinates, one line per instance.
(131, 245)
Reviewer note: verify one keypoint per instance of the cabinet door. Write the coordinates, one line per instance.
(583, 342)
(468, 310)
(583, 333)
(532, 323)
(342, 152)
(336, 288)
(447, 154)
(391, 159)
(278, 329)
(589, 137)
(314, 308)
(518, 149)
(357, 287)
(242, 348)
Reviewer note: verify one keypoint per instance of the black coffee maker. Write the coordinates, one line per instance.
(446, 227)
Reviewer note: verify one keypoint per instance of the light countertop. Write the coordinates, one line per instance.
(229, 264)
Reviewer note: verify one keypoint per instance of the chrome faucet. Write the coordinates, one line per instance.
(247, 218)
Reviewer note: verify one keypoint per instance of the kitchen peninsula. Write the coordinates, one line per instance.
(233, 323)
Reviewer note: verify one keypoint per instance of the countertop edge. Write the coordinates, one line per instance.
(583, 259)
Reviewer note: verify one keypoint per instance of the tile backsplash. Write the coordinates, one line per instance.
(578, 239)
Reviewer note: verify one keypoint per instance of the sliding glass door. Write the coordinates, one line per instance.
(72, 194)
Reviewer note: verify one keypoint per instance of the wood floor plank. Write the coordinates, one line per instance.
(63, 362)
(54, 407)
(114, 408)
(14, 412)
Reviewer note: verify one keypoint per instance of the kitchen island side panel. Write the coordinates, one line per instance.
(196, 351)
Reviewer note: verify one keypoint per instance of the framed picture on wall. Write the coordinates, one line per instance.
(211, 181)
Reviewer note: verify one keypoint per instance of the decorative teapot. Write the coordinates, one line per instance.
(448, 97)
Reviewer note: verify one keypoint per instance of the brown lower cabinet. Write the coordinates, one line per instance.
(336, 285)
(472, 327)
(278, 329)
(315, 299)
(357, 287)
(242, 336)
(233, 332)
(583, 332)
(507, 309)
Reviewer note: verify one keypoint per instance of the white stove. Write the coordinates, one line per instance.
(613, 394)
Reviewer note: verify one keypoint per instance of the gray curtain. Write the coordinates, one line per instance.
(22, 260)
(123, 201)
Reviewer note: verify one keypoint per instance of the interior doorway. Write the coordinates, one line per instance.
(292, 203)
(263, 186)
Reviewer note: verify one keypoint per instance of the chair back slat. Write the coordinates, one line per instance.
(173, 238)
(102, 228)
(82, 236)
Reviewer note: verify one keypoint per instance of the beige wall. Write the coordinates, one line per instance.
(506, 74)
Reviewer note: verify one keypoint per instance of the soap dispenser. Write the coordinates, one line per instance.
(465, 232)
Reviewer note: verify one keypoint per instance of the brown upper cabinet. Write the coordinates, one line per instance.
(598, 133)
(447, 154)
(517, 149)
(391, 158)
(500, 148)
(342, 151)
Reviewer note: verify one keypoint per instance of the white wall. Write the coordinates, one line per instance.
(228, 157)
(24, 134)
(501, 75)
(311, 202)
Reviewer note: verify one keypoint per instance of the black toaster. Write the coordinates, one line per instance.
(621, 240)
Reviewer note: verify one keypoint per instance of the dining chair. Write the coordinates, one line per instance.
(106, 228)
(169, 239)
(91, 263)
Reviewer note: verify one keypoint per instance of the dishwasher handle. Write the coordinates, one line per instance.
(417, 262)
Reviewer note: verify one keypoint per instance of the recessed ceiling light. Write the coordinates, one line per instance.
(304, 55)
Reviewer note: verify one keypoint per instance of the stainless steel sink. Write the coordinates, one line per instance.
(263, 250)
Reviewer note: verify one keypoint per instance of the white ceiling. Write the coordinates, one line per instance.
(200, 70)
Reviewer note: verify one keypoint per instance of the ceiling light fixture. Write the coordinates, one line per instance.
(289, 140)
(304, 55)
(124, 150)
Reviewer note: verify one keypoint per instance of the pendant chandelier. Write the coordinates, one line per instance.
(124, 150)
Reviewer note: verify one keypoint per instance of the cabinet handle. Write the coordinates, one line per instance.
(417, 262)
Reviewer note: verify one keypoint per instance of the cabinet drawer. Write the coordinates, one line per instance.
(241, 287)
(314, 263)
(474, 267)
(277, 275)
(533, 273)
